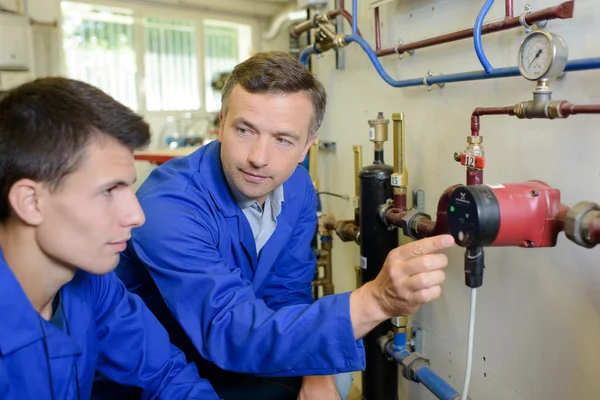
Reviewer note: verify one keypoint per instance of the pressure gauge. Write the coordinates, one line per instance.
(542, 55)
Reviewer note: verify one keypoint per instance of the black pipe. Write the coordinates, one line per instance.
(380, 378)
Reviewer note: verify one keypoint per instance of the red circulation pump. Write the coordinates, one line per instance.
(511, 214)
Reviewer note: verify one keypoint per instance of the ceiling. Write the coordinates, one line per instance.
(254, 8)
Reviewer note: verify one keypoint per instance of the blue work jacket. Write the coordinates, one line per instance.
(108, 329)
(195, 265)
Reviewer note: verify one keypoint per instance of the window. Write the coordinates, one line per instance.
(225, 46)
(171, 66)
(103, 47)
(99, 49)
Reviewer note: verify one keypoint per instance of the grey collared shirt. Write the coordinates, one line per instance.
(262, 222)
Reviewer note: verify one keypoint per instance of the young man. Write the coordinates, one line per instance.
(225, 262)
(66, 212)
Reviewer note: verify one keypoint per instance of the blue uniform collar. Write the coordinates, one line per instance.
(20, 323)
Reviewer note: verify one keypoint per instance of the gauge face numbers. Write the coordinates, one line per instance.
(542, 55)
(536, 58)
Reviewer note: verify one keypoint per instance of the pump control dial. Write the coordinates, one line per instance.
(473, 215)
(542, 55)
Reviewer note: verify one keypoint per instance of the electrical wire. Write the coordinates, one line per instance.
(341, 196)
(470, 345)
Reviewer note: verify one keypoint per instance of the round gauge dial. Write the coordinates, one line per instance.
(542, 55)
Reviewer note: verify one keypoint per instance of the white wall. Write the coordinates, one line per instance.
(538, 313)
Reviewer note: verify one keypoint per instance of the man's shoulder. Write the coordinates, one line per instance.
(176, 176)
(299, 185)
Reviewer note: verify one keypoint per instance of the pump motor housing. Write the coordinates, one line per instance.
(511, 214)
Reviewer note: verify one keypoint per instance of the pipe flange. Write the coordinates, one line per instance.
(524, 24)
(406, 223)
(573, 223)
(411, 363)
(389, 204)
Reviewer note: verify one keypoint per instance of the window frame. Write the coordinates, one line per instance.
(174, 12)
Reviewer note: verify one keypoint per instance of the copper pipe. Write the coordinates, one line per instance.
(340, 11)
(394, 216)
(377, 30)
(493, 111)
(562, 11)
(509, 8)
(487, 111)
(423, 226)
(567, 109)
(595, 230)
(474, 125)
(303, 27)
(327, 270)
(399, 200)
(474, 177)
(561, 217)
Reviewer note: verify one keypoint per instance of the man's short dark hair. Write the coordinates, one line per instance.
(277, 72)
(46, 125)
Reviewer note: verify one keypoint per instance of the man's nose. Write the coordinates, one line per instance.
(259, 155)
(134, 215)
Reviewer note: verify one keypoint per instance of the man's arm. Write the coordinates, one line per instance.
(218, 309)
(220, 313)
(134, 349)
(411, 276)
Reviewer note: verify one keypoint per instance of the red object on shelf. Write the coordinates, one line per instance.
(154, 158)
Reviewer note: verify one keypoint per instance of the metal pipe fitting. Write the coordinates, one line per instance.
(581, 222)
(347, 231)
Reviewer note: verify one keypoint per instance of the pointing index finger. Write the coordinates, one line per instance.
(423, 246)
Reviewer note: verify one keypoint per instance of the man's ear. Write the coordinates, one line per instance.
(310, 142)
(221, 125)
(24, 200)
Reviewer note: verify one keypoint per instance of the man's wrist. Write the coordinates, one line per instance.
(365, 309)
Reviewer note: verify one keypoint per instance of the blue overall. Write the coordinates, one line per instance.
(195, 265)
(105, 328)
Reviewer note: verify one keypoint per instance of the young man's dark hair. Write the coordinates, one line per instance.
(66, 212)
(45, 126)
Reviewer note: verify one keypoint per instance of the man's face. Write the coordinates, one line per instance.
(87, 221)
(263, 138)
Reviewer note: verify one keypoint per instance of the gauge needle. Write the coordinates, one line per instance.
(536, 56)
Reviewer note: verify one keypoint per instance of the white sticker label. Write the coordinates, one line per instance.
(355, 202)
(372, 133)
(470, 161)
(396, 321)
(363, 262)
(395, 181)
(497, 186)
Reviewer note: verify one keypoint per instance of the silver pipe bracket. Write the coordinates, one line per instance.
(524, 24)
(429, 87)
(401, 55)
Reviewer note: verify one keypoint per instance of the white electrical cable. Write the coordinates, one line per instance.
(470, 345)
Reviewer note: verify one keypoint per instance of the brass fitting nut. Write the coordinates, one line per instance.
(474, 139)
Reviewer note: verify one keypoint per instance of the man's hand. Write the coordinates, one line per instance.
(318, 388)
(411, 276)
